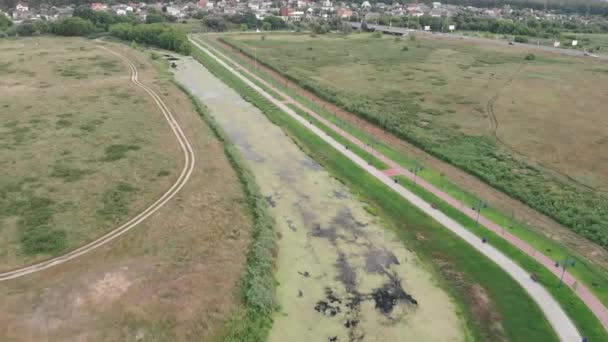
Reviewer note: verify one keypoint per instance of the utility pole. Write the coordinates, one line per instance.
(567, 262)
(417, 168)
(480, 205)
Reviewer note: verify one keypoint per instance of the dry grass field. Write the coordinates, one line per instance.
(532, 127)
(172, 278)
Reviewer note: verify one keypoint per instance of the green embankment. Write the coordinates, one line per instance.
(461, 265)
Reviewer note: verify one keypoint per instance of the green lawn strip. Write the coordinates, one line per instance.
(582, 317)
(521, 317)
(342, 140)
(595, 279)
(253, 320)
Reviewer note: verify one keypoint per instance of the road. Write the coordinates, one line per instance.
(404, 31)
(154, 207)
(559, 320)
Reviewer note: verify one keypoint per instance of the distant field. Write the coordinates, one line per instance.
(535, 129)
(81, 148)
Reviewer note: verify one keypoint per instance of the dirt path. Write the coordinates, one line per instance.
(342, 274)
(159, 203)
(497, 199)
(552, 310)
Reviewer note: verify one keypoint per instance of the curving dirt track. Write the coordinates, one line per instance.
(185, 174)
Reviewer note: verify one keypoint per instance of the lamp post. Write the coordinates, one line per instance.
(417, 168)
(480, 205)
(565, 263)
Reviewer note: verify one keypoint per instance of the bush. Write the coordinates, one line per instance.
(377, 34)
(520, 39)
(26, 29)
(159, 35)
(405, 48)
(530, 57)
(73, 26)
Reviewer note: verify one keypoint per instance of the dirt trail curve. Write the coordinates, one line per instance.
(556, 316)
(170, 193)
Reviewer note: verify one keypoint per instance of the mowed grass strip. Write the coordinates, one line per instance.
(511, 315)
(76, 138)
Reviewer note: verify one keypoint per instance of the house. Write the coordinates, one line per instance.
(327, 5)
(22, 7)
(98, 6)
(366, 5)
(344, 13)
(174, 11)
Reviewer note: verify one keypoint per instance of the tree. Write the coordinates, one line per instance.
(154, 17)
(346, 29)
(73, 26)
(266, 26)
(5, 22)
(26, 29)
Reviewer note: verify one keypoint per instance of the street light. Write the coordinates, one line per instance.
(567, 262)
(415, 171)
(480, 205)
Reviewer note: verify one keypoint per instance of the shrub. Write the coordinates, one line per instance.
(405, 48)
(377, 34)
(520, 39)
(74, 26)
(530, 57)
(159, 35)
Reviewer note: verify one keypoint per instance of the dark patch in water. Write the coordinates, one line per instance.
(347, 274)
(291, 225)
(330, 306)
(328, 233)
(379, 260)
(171, 58)
(305, 274)
(387, 296)
(351, 323)
(346, 219)
(333, 339)
(340, 194)
(270, 201)
(311, 164)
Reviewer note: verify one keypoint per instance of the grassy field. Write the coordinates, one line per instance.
(496, 307)
(82, 149)
(177, 275)
(486, 109)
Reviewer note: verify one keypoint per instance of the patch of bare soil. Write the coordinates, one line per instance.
(172, 278)
(495, 198)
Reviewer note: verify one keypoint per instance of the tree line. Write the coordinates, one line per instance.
(86, 22)
(468, 22)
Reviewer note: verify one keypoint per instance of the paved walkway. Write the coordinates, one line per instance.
(556, 316)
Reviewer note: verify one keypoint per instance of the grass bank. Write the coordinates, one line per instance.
(461, 267)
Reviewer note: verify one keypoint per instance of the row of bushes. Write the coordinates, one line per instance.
(159, 35)
(584, 211)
